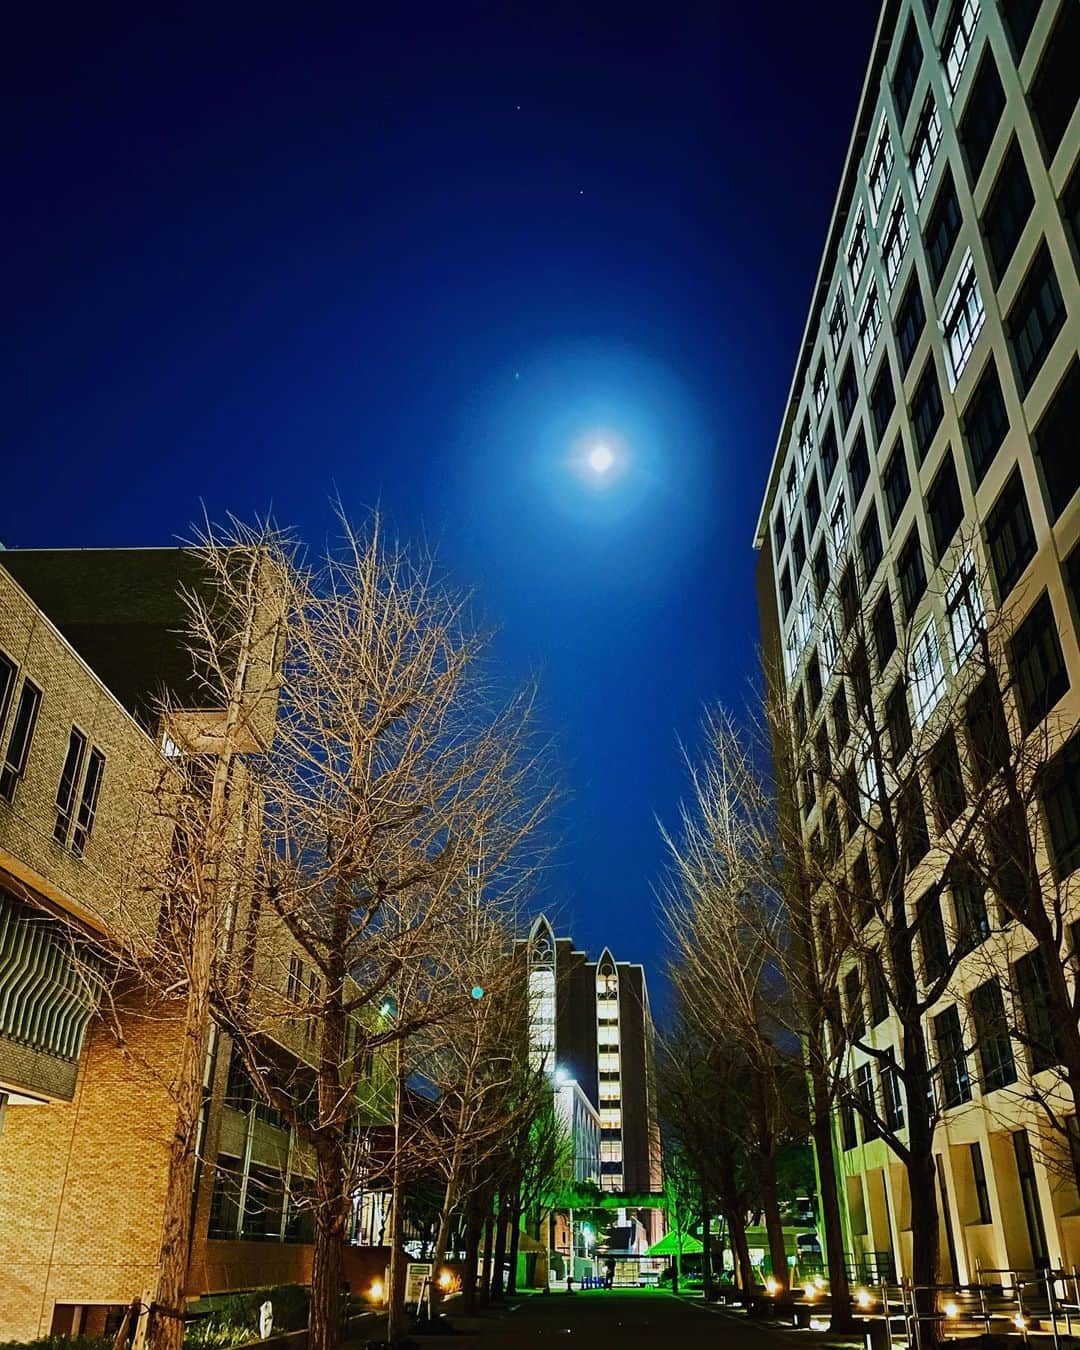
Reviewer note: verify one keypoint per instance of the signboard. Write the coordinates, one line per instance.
(418, 1273)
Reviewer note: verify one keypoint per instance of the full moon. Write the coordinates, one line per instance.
(600, 459)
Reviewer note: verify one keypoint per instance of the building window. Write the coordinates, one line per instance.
(864, 1092)
(870, 545)
(1010, 537)
(853, 1002)
(896, 483)
(225, 1200)
(821, 571)
(1040, 1030)
(911, 570)
(1008, 209)
(838, 523)
(69, 781)
(952, 1061)
(791, 489)
(906, 75)
(1036, 317)
(859, 467)
(1061, 807)
(798, 549)
(830, 453)
(813, 502)
(881, 167)
(1055, 89)
(869, 324)
(824, 758)
(779, 533)
(898, 721)
(985, 422)
(857, 251)
(848, 393)
(1057, 443)
(910, 321)
(806, 444)
(892, 1092)
(964, 608)
(982, 114)
(84, 821)
(962, 319)
(882, 400)
(895, 240)
(987, 731)
(849, 596)
(884, 626)
(813, 681)
(1020, 16)
(947, 780)
(876, 988)
(785, 589)
(927, 674)
(942, 228)
(837, 323)
(972, 921)
(22, 736)
(944, 506)
(978, 1179)
(926, 408)
(821, 388)
(925, 146)
(1037, 664)
(8, 672)
(913, 823)
(956, 44)
(1070, 204)
(996, 1066)
(841, 723)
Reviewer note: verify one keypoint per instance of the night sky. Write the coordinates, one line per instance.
(425, 255)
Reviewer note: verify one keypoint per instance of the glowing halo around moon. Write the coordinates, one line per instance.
(601, 458)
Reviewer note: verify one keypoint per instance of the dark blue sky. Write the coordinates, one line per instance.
(420, 254)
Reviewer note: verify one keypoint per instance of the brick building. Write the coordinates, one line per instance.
(87, 643)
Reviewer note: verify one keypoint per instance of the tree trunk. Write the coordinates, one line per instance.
(741, 1251)
(473, 1229)
(825, 1147)
(166, 1322)
(515, 1245)
(395, 1295)
(502, 1232)
(328, 1256)
(774, 1226)
(922, 1185)
(706, 1252)
(489, 1238)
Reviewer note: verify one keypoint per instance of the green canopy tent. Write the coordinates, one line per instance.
(669, 1245)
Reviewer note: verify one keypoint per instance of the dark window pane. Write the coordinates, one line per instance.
(882, 400)
(1007, 209)
(944, 505)
(884, 626)
(1055, 89)
(996, 1066)
(985, 422)
(858, 467)
(952, 1061)
(69, 778)
(1010, 536)
(898, 720)
(870, 545)
(785, 589)
(942, 227)
(972, 921)
(824, 756)
(84, 821)
(1019, 16)
(1042, 1041)
(913, 825)
(779, 533)
(841, 723)
(897, 484)
(853, 1003)
(1057, 442)
(799, 710)
(1072, 580)
(1036, 317)
(981, 115)
(821, 571)
(876, 988)
(910, 321)
(926, 408)
(19, 742)
(1061, 806)
(830, 453)
(906, 74)
(1070, 203)
(813, 501)
(849, 596)
(911, 570)
(813, 681)
(947, 780)
(987, 730)
(848, 393)
(798, 550)
(1037, 664)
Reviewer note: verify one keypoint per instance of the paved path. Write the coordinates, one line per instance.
(619, 1319)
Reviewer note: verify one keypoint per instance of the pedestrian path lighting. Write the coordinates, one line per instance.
(377, 1291)
(810, 1291)
(772, 1287)
(862, 1298)
(950, 1309)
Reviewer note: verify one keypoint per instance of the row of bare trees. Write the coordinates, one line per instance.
(333, 861)
(871, 867)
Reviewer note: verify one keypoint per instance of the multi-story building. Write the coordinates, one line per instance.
(88, 641)
(590, 1026)
(931, 443)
